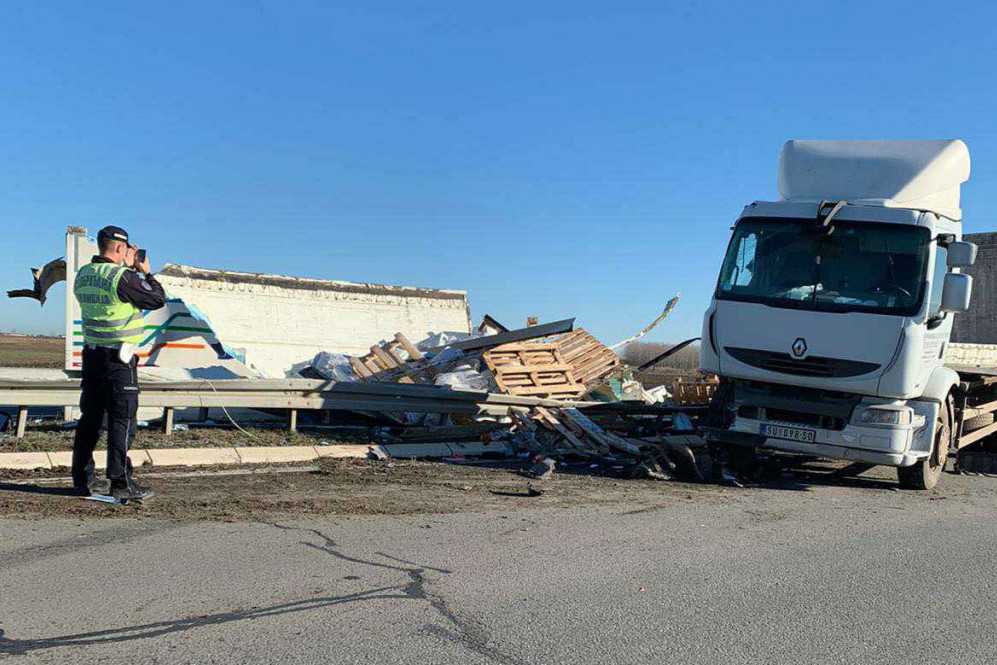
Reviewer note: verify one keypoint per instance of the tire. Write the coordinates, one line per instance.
(978, 422)
(926, 473)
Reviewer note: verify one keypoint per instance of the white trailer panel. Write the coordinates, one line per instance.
(271, 322)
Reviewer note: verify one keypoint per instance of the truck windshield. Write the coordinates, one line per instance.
(860, 266)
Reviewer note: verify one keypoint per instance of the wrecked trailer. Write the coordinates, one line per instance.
(227, 324)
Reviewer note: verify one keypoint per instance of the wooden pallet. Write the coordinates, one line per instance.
(686, 392)
(397, 361)
(591, 361)
(536, 370)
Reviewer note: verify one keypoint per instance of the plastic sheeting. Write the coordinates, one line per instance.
(464, 377)
(334, 366)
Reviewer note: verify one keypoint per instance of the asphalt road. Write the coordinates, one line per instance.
(824, 575)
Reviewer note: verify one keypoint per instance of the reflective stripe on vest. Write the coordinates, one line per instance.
(106, 318)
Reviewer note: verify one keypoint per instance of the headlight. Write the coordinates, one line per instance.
(876, 416)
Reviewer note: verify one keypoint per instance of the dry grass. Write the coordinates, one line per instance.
(24, 351)
(49, 436)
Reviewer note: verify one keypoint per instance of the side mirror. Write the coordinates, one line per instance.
(956, 291)
(961, 254)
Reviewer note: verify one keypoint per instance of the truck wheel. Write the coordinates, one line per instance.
(925, 474)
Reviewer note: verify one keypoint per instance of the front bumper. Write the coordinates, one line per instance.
(890, 446)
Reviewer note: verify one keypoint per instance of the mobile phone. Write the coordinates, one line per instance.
(140, 256)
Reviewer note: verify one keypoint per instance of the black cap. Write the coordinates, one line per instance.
(113, 233)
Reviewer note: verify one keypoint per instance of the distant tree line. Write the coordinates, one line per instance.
(638, 353)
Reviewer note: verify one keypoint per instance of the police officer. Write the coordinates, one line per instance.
(112, 295)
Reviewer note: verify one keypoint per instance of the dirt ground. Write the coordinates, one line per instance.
(23, 351)
(342, 487)
(51, 436)
(361, 487)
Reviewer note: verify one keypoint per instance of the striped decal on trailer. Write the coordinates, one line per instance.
(157, 330)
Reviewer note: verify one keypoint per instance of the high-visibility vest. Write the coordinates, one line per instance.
(107, 320)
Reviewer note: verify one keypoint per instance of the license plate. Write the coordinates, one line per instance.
(790, 433)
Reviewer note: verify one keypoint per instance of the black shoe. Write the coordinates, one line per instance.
(131, 492)
(81, 491)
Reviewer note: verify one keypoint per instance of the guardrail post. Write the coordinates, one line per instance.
(168, 421)
(292, 424)
(22, 421)
(202, 414)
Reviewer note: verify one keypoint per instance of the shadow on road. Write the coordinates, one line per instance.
(10, 646)
(38, 489)
(148, 630)
(804, 474)
(466, 633)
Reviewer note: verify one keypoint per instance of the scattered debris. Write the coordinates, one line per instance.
(51, 273)
(543, 469)
(599, 417)
(669, 306)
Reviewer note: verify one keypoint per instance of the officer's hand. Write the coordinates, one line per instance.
(130, 256)
(144, 265)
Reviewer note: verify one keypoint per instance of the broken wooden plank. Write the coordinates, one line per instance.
(360, 369)
(384, 357)
(611, 440)
(22, 422)
(521, 419)
(554, 423)
(410, 348)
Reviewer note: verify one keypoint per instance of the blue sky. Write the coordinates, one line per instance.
(554, 159)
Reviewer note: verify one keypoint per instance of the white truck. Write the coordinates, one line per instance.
(830, 323)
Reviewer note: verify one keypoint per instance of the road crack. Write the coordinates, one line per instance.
(465, 632)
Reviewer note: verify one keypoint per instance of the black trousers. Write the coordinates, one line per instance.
(110, 388)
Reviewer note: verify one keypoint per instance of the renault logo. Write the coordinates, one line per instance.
(799, 347)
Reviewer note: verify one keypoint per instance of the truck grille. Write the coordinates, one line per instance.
(810, 366)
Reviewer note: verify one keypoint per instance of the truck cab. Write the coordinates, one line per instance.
(833, 307)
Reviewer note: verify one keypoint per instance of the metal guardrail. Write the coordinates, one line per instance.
(291, 394)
